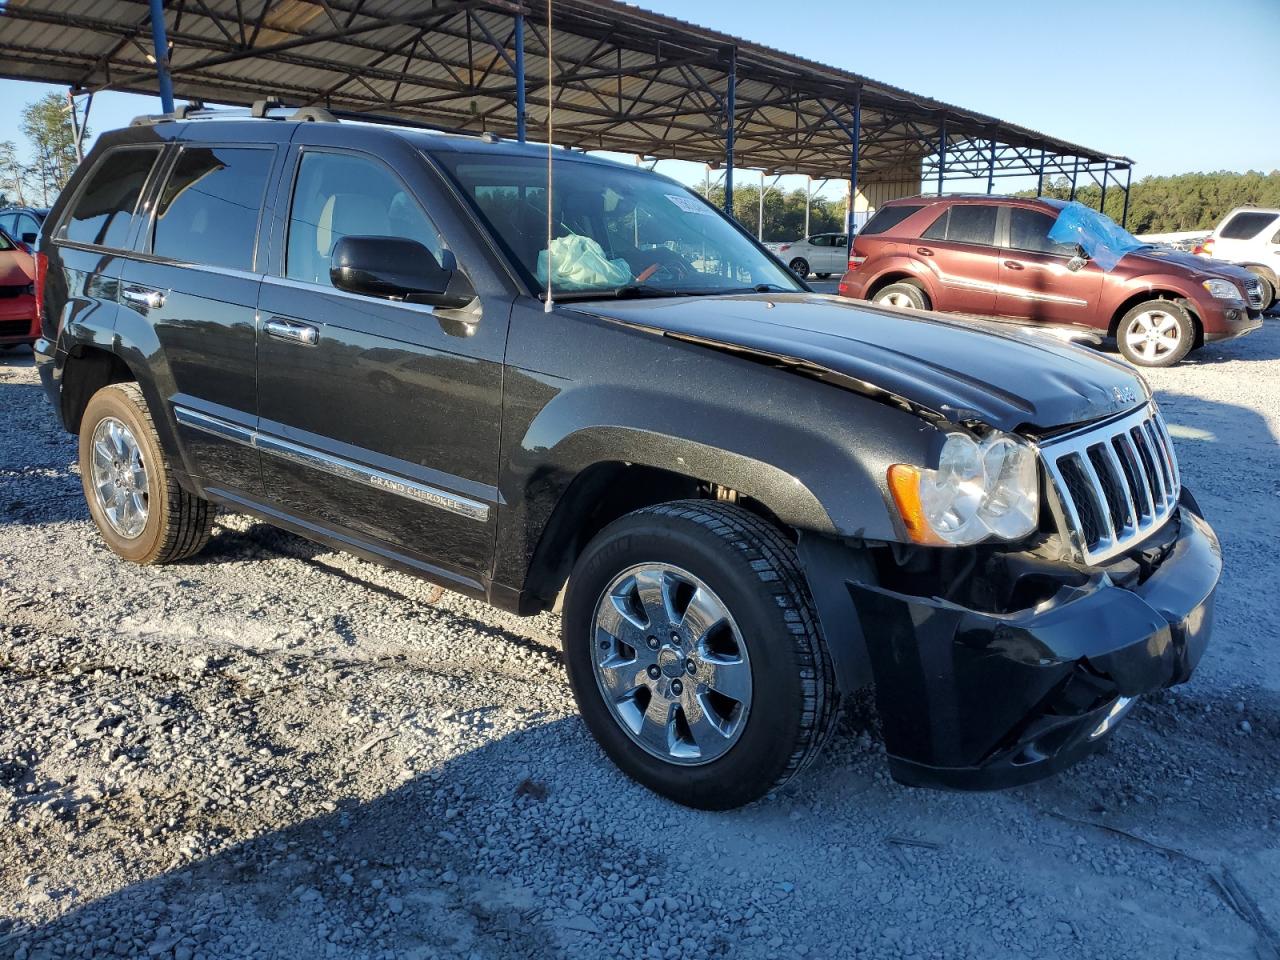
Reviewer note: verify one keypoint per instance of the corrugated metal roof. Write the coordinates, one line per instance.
(625, 79)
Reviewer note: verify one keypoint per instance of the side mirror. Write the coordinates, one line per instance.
(397, 268)
(1077, 263)
(30, 239)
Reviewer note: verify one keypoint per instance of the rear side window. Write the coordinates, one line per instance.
(888, 218)
(105, 208)
(1246, 225)
(209, 209)
(972, 223)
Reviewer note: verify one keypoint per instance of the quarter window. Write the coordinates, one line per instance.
(105, 208)
(888, 218)
(210, 207)
(338, 195)
(1029, 230)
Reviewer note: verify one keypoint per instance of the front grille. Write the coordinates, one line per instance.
(1253, 293)
(1115, 483)
(15, 328)
(9, 292)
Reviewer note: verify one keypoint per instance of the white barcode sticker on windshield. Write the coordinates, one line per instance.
(689, 204)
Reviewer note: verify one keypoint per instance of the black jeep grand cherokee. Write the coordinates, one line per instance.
(749, 499)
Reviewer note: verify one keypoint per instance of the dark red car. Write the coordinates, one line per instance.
(18, 324)
(993, 256)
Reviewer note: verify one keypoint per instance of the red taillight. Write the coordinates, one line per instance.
(1205, 249)
(42, 268)
(856, 261)
(785, 246)
(842, 288)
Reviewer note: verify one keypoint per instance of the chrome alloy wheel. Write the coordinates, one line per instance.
(1152, 334)
(671, 664)
(895, 299)
(119, 477)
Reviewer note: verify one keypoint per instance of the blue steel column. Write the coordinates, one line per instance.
(1075, 168)
(991, 169)
(1128, 181)
(1106, 170)
(730, 108)
(1040, 176)
(942, 152)
(160, 39)
(519, 42)
(855, 142)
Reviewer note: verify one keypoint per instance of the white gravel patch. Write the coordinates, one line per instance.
(279, 751)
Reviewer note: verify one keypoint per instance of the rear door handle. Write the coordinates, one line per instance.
(292, 331)
(924, 251)
(152, 299)
(1013, 265)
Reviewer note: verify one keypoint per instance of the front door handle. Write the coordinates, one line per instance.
(924, 251)
(1013, 265)
(292, 331)
(152, 299)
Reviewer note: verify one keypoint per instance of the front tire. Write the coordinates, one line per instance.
(141, 512)
(1156, 333)
(695, 655)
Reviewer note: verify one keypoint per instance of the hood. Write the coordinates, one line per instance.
(950, 369)
(1160, 258)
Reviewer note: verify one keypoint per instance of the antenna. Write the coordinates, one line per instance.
(547, 305)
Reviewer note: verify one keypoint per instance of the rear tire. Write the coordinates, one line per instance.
(1268, 289)
(903, 295)
(699, 556)
(141, 512)
(1156, 333)
(800, 267)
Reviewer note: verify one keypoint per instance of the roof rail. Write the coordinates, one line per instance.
(261, 110)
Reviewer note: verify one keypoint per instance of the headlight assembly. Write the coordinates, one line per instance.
(978, 490)
(1223, 290)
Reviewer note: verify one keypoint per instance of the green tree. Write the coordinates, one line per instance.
(1188, 201)
(46, 124)
(783, 211)
(13, 175)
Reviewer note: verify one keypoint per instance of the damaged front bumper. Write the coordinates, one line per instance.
(974, 700)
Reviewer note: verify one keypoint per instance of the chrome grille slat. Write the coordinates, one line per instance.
(1253, 293)
(1113, 484)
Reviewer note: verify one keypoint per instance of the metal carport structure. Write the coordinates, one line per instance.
(624, 79)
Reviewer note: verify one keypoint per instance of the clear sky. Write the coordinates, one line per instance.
(1178, 85)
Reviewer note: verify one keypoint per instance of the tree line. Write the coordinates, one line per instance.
(46, 126)
(1187, 201)
(783, 211)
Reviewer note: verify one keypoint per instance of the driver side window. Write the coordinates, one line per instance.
(338, 195)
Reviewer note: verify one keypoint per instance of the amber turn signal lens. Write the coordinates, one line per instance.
(904, 484)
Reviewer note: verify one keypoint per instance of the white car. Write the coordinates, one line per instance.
(1250, 237)
(822, 253)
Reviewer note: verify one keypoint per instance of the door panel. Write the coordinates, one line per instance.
(1035, 283)
(194, 284)
(385, 420)
(959, 249)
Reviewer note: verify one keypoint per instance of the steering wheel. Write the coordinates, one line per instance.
(667, 260)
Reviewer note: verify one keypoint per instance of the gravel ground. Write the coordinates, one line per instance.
(279, 751)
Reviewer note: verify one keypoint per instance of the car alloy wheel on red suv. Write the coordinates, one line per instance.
(993, 257)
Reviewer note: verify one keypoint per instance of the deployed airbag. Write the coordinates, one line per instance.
(579, 263)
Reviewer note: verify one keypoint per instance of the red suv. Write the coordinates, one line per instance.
(993, 256)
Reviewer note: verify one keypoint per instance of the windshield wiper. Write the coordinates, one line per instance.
(628, 291)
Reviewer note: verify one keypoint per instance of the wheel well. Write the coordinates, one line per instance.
(1145, 295)
(1262, 270)
(86, 372)
(599, 495)
(890, 278)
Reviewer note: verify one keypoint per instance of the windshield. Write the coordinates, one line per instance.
(1104, 240)
(616, 232)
